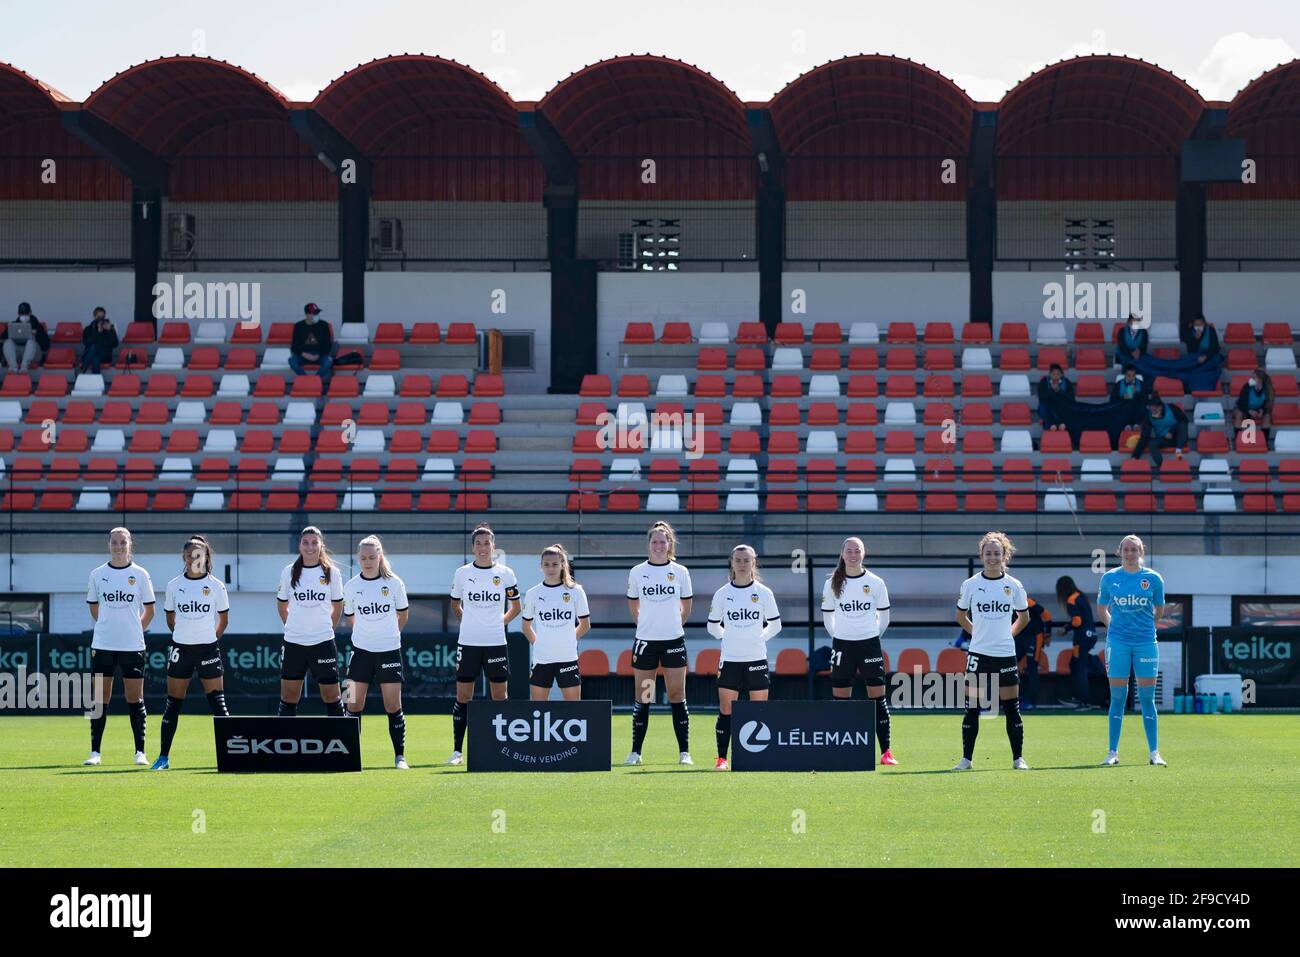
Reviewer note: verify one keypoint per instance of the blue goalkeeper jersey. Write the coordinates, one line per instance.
(1132, 597)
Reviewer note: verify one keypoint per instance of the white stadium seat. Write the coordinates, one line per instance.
(108, 440)
(1219, 500)
(207, 499)
(823, 442)
(438, 470)
(176, 468)
(742, 502)
(169, 359)
(11, 412)
(1286, 440)
(1214, 470)
(190, 412)
(273, 360)
(743, 470)
(787, 359)
(1017, 441)
(358, 500)
(1060, 500)
(1208, 413)
(671, 387)
(1096, 470)
(1163, 332)
(746, 413)
(1051, 334)
(714, 334)
(631, 415)
(210, 333)
(663, 500)
(1014, 385)
(353, 333)
(300, 413)
(976, 359)
(379, 385)
(824, 387)
(861, 500)
(900, 470)
(624, 469)
(448, 412)
(220, 442)
(368, 442)
(290, 468)
(234, 385)
(900, 413)
(864, 334)
(88, 384)
(94, 498)
(1279, 359)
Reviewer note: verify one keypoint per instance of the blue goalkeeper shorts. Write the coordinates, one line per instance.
(1143, 660)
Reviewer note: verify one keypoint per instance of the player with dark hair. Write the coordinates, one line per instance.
(1082, 629)
(485, 597)
(310, 602)
(855, 613)
(198, 610)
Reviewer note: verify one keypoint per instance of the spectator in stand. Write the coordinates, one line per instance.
(1201, 340)
(1130, 385)
(313, 341)
(1163, 427)
(26, 333)
(1255, 401)
(1131, 342)
(1053, 386)
(98, 341)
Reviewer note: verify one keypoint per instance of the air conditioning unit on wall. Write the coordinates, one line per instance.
(181, 231)
(389, 239)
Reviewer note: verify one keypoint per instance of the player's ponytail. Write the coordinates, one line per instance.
(669, 534)
(1065, 587)
(385, 569)
(841, 569)
(326, 565)
(197, 541)
(566, 566)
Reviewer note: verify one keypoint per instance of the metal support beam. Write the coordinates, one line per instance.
(560, 194)
(982, 215)
(1191, 224)
(770, 216)
(356, 178)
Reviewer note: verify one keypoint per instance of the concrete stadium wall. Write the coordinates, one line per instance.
(848, 297)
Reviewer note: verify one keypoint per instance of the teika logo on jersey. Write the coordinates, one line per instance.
(374, 609)
(854, 606)
(555, 614)
(1131, 601)
(658, 591)
(744, 614)
(75, 910)
(306, 595)
(123, 597)
(993, 607)
(193, 607)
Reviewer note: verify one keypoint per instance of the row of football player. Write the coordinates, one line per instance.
(312, 599)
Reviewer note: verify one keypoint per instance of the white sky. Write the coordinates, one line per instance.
(755, 48)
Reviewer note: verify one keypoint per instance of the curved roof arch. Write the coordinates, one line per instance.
(591, 103)
(1272, 96)
(23, 97)
(871, 87)
(1125, 92)
(165, 103)
(373, 101)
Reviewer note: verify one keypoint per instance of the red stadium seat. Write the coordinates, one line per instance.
(825, 360)
(751, 334)
(416, 385)
(461, 334)
(1014, 333)
(1277, 334)
(389, 334)
(976, 333)
(900, 333)
(938, 333)
(789, 334)
(939, 387)
(426, 334)
(827, 333)
(785, 387)
(915, 661)
(1238, 333)
(789, 661)
(452, 387)
(787, 413)
(639, 334)
(676, 334)
(744, 387)
(862, 387)
(711, 359)
(900, 360)
(1089, 333)
(863, 359)
(977, 385)
(1055, 443)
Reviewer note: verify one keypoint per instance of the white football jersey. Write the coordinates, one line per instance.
(743, 612)
(660, 589)
(195, 603)
(991, 604)
(554, 611)
(373, 604)
(858, 605)
(121, 594)
(484, 595)
(311, 603)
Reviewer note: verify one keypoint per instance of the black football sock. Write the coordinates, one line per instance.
(682, 725)
(640, 724)
(1015, 726)
(970, 729)
(287, 710)
(723, 730)
(171, 715)
(217, 702)
(334, 709)
(138, 715)
(882, 723)
(397, 731)
(459, 719)
(97, 727)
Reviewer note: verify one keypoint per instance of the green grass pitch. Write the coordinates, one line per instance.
(1228, 797)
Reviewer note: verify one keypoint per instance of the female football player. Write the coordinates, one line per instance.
(1132, 599)
(375, 605)
(555, 617)
(855, 613)
(121, 600)
(198, 610)
(310, 602)
(744, 617)
(485, 597)
(659, 597)
(985, 607)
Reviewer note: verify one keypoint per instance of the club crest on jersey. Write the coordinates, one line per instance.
(1006, 589)
(1145, 583)
(131, 580)
(384, 591)
(866, 589)
(670, 576)
(207, 590)
(565, 597)
(496, 579)
(753, 599)
(324, 580)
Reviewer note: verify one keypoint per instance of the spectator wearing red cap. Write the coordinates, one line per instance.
(313, 342)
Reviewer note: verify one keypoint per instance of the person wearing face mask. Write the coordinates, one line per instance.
(1131, 341)
(1255, 402)
(1201, 340)
(1130, 387)
(98, 340)
(1164, 427)
(25, 334)
(1054, 387)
